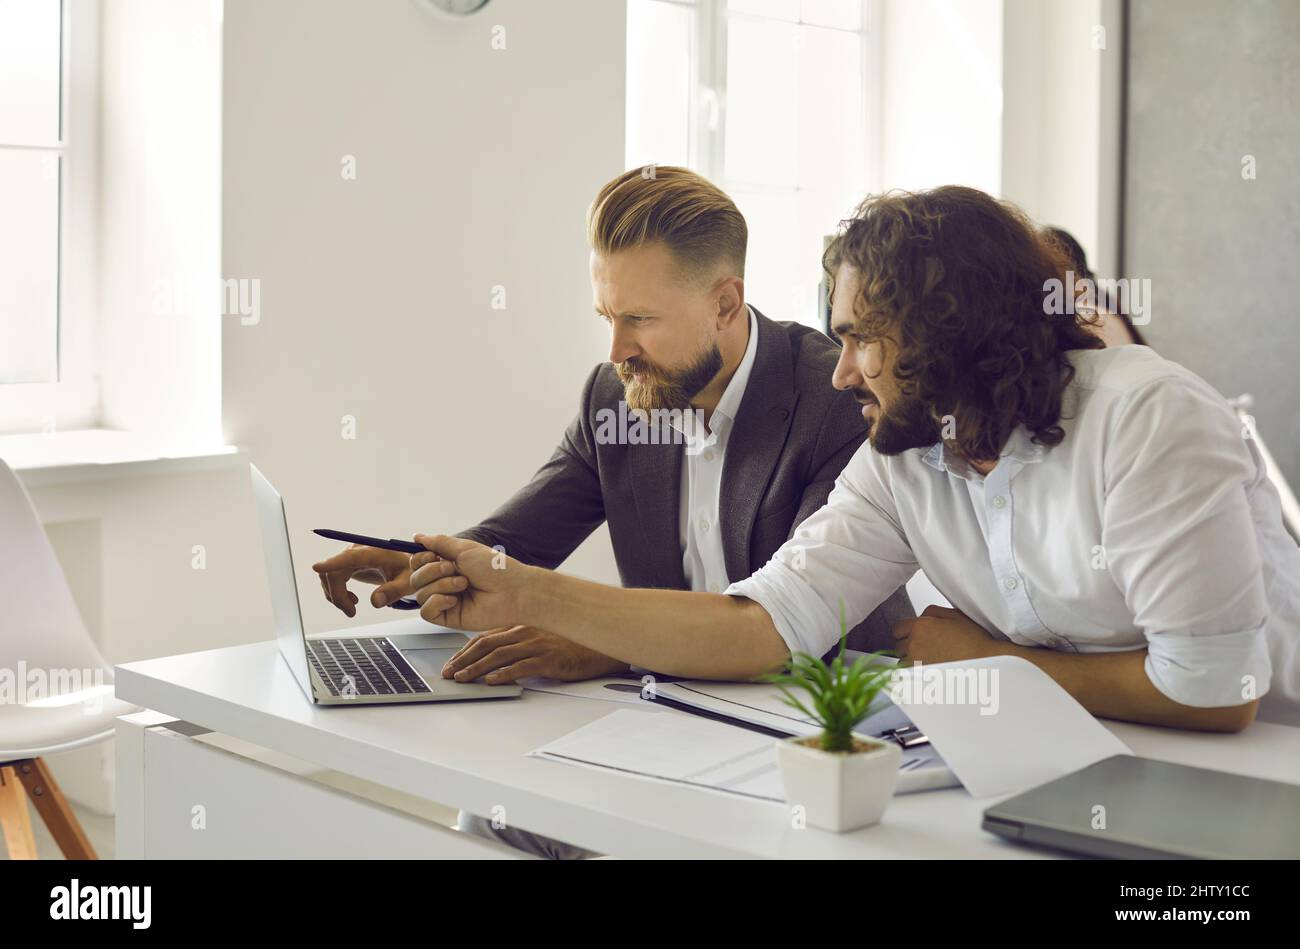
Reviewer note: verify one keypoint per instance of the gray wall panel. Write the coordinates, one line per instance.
(1210, 82)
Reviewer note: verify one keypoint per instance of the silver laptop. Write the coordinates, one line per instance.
(1137, 808)
(352, 671)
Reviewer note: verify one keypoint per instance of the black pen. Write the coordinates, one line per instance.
(404, 546)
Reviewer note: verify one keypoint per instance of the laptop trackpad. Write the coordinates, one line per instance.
(429, 662)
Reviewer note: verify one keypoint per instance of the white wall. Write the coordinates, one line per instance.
(474, 170)
(1061, 129)
(941, 94)
(159, 218)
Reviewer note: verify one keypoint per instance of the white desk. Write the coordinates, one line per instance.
(471, 755)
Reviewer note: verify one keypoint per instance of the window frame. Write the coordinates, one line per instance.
(71, 399)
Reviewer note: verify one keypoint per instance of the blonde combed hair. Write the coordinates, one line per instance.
(691, 216)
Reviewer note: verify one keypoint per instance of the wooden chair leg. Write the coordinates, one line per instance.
(15, 822)
(54, 809)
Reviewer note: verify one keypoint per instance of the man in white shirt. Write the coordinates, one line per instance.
(1100, 513)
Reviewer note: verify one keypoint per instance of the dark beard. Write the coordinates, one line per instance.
(664, 389)
(908, 424)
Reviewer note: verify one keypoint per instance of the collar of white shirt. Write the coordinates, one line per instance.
(729, 404)
(1020, 447)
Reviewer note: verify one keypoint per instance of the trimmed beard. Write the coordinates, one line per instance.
(909, 424)
(667, 389)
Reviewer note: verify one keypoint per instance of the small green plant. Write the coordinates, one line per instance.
(839, 695)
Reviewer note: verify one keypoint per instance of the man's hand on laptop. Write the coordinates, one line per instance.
(507, 655)
(390, 570)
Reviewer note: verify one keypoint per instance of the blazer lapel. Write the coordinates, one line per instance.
(657, 488)
(756, 442)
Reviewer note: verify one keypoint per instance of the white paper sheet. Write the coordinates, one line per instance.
(1002, 724)
(674, 747)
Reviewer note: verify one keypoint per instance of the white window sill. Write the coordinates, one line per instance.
(101, 454)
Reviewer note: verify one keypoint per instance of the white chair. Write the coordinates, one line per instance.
(56, 690)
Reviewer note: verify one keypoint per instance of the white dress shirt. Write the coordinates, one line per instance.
(1152, 524)
(697, 526)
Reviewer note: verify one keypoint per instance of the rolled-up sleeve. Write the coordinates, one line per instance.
(1209, 671)
(851, 554)
(1181, 543)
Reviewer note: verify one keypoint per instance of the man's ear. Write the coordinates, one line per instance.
(731, 301)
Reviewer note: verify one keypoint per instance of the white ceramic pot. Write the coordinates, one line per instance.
(839, 792)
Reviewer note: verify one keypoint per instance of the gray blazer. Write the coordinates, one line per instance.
(792, 436)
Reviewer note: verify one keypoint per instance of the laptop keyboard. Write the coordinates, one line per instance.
(351, 667)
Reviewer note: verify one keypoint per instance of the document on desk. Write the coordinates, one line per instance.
(674, 747)
(1002, 724)
(681, 748)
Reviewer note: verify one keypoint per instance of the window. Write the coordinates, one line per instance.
(31, 156)
(110, 120)
(49, 372)
(774, 101)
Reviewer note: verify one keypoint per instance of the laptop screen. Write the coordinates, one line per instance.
(279, 575)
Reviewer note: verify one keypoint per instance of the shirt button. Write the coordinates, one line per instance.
(999, 501)
(715, 587)
(1010, 583)
(710, 456)
(704, 525)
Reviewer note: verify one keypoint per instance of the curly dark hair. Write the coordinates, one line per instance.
(958, 281)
